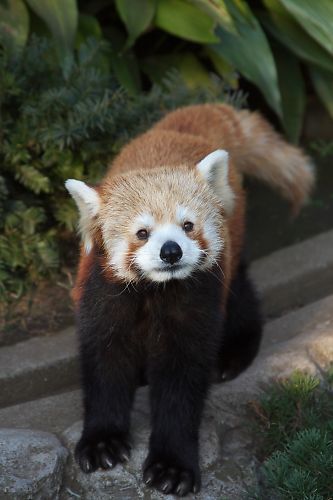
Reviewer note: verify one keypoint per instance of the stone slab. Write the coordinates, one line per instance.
(296, 275)
(37, 367)
(31, 465)
(52, 413)
(299, 339)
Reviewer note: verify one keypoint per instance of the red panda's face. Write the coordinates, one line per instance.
(160, 225)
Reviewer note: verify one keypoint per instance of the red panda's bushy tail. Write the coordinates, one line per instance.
(262, 153)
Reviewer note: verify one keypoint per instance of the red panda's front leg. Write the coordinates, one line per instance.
(109, 369)
(179, 376)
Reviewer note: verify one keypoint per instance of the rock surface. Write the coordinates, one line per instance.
(31, 465)
(226, 460)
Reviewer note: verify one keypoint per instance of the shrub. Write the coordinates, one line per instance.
(60, 122)
(295, 419)
(278, 45)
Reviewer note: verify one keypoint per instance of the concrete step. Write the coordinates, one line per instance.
(295, 275)
(286, 279)
(301, 339)
(39, 366)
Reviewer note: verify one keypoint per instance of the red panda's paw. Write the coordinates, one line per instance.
(169, 478)
(104, 452)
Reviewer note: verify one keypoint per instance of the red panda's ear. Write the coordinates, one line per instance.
(214, 169)
(88, 203)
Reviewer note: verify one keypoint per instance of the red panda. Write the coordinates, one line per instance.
(162, 293)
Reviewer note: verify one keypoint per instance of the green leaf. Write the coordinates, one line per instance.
(61, 17)
(316, 17)
(192, 72)
(181, 18)
(14, 22)
(136, 16)
(287, 31)
(292, 91)
(249, 52)
(323, 83)
(218, 11)
(31, 178)
(66, 214)
(124, 63)
(223, 67)
(88, 26)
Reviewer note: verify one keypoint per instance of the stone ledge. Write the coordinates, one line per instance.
(38, 366)
(295, 275)
(299, 339)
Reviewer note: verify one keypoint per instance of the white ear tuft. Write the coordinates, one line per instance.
(88, 203)
(214, 169)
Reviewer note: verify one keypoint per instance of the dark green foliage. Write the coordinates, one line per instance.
(322, 148)
(59, 122)
(295, 420)
(283, 47)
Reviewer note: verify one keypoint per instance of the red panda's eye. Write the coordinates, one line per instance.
(142, 234)
(188, 226)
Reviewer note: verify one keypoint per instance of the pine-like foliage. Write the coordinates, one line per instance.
(295, 419)
(59, 122)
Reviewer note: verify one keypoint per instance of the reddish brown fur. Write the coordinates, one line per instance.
(86, 261)
(186, 136)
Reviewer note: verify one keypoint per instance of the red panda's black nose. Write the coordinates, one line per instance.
(171, 252)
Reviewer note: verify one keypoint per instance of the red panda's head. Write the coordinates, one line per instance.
(158, 224)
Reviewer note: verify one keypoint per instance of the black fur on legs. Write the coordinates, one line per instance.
(172, 332)
(243, 327)
(109, 371)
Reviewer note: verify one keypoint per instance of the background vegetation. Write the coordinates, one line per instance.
(278, 45)
(79, 78)
(294, 420)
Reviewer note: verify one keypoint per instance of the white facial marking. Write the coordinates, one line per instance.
(88, 203)
(117, 261)
(144, 220)
(215, 243)
(184, 214)
(148, 256)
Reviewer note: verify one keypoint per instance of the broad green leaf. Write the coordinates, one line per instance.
(124, 63)
(223, 68)
(181, 18)
(323, 83)
(14, 22)
(287, 31)
(316, 17)
(249, 52)
(292, 92)
(88, 26)
(61, 17)
(218, 11)
(192, 72)
(136, 16)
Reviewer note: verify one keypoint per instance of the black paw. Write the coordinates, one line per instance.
(170, 478)
(104, 452)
